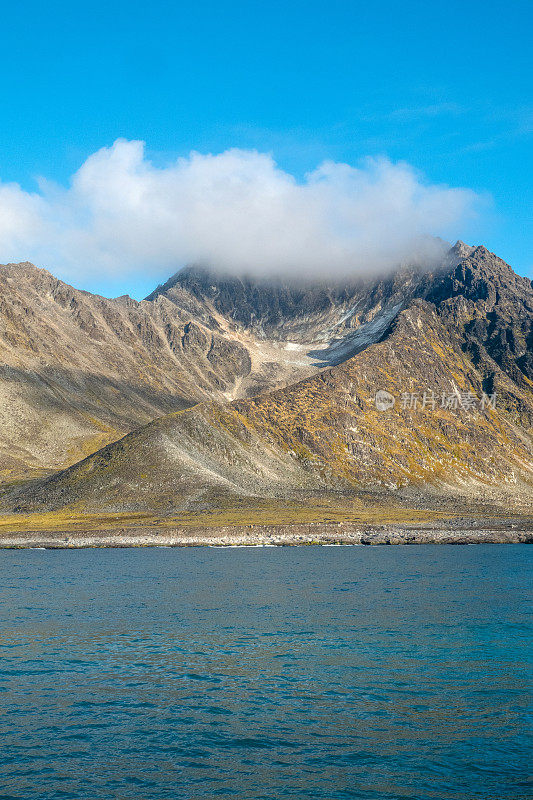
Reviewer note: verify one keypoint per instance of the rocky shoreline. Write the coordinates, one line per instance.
(456, 532)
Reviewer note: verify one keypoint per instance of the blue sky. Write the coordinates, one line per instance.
(443, 86)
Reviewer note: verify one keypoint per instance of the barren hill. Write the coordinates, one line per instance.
(78, 370)
(455, 360)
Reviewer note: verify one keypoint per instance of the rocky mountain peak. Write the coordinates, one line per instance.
(461, 250)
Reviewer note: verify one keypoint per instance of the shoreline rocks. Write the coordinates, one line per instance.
(499, 532)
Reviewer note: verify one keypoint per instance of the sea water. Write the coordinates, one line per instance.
(309, 672)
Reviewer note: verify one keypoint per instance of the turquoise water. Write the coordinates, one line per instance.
(311, 672)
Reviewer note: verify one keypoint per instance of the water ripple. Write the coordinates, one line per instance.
(308, 673)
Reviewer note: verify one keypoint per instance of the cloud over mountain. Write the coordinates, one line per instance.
(236, 210)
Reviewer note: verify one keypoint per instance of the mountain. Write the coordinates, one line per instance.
(78, 371)
(451, 350)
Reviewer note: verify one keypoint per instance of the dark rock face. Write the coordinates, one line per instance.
(491, 308)
(279, 308)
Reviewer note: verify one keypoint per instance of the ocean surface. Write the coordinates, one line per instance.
(309, 672)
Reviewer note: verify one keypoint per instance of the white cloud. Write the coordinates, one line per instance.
(238, 210)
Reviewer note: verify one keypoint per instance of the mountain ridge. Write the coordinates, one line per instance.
(480, 314)
(325, 434)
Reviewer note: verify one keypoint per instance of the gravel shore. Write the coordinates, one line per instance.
(457, 532)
